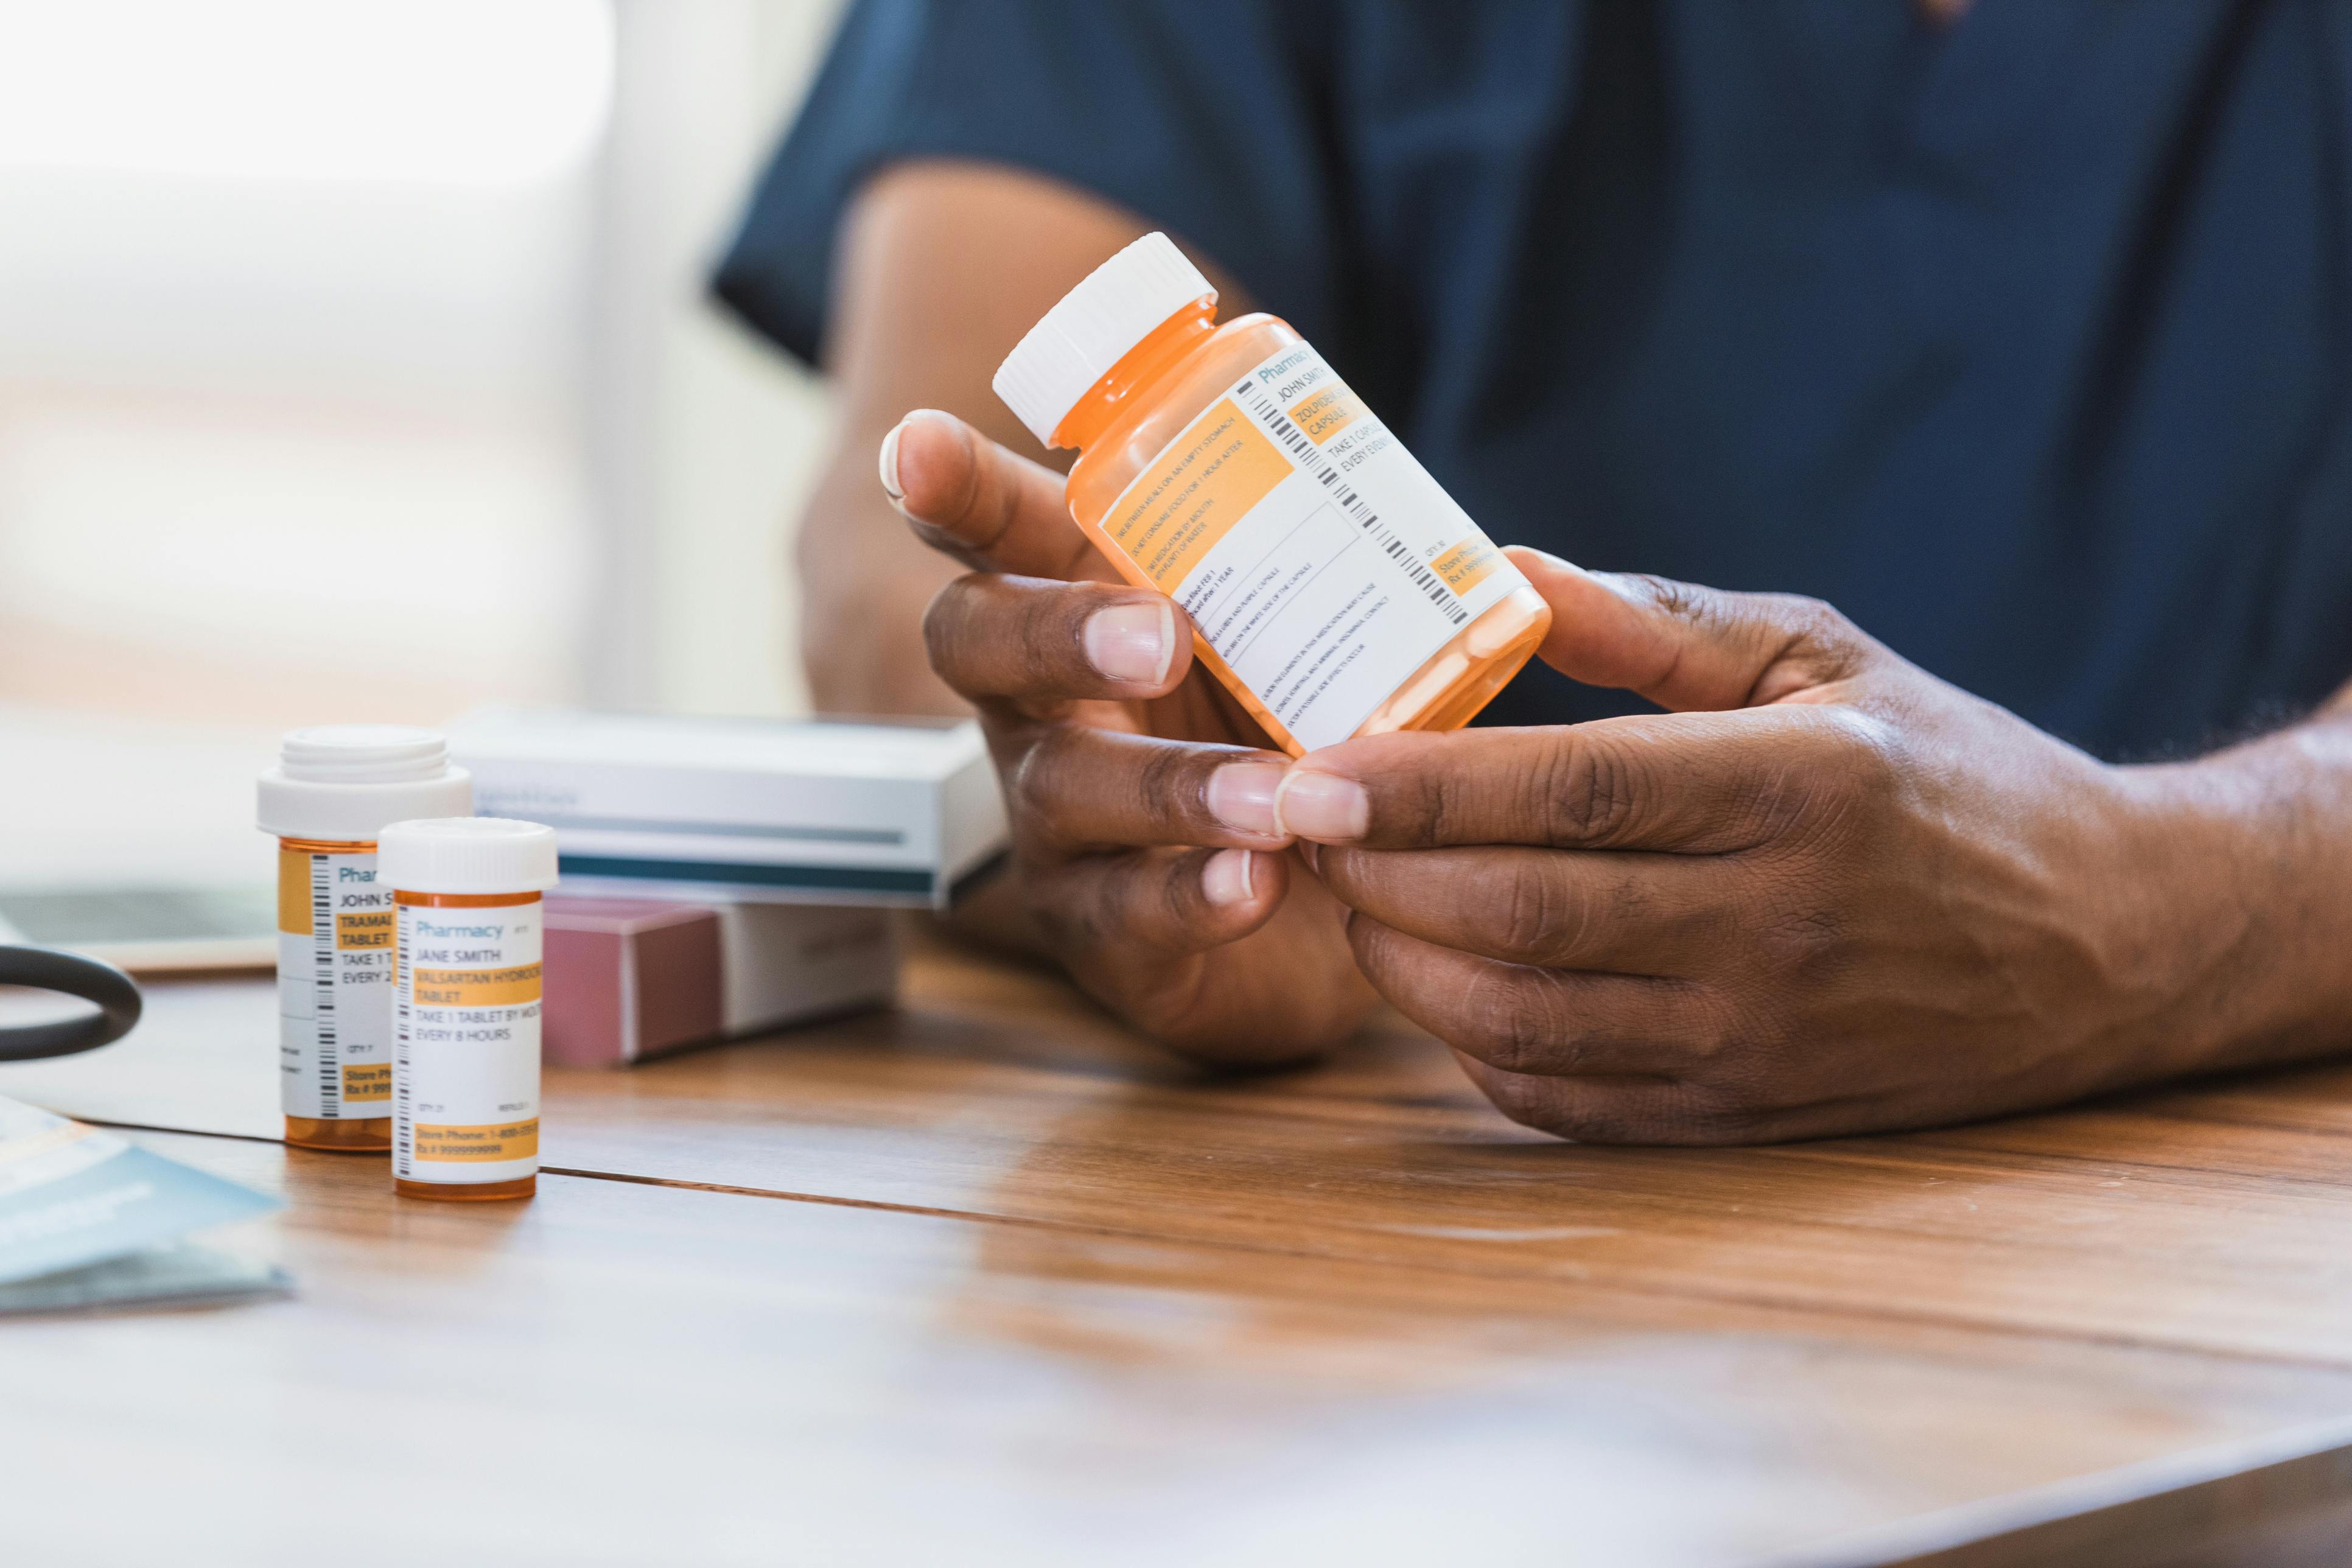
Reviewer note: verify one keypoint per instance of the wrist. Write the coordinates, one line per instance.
(2242, 861)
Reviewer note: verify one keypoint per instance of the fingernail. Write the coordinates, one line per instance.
(1227, 878)
(890, 485)
(888, 459)
(1322, 806)
(1132, 642)
(1240, 796)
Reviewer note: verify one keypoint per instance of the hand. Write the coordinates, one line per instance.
(1140, 794)
(1828, 893)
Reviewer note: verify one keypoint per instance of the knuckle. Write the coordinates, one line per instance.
(1421, 802)
(1045, 893)
(1036, 790)
(1819, 621)
(1719, 1037)
(1682, 599)
(1529, 1101)
(1582, 1113)
(1168, 781)
(1588, 789)
(1121, 908)
(1377, 954)
(1861, 759)
(1598, 1118)
(1815, 634)
(1048, 638)
(1801, 944)
(1737, 1079)
(1084, 909)
(943, 620)
(1514, 1026)
(1708, 611)
(1536, 918)
(1796, 612)
(1850, 761)
(1175, 894)
(1877, 757)
(1433, 809)
(1354, 877)
(1697, 1115)
(1596, 1114)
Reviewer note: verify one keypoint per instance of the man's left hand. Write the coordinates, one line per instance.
(1826, 892)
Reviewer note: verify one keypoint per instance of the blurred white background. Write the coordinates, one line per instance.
(356, 363)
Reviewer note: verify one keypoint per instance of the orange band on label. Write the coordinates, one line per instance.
(1467, 565)
(1320, 415)
(294, 892)
(366, 1081)
(492, 1141)
(476, 987)
(1193, 499)
(371, 928)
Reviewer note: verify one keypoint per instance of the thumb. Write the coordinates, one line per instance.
(1686, 648)
(969, 498)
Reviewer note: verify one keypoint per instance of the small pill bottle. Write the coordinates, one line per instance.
(332, 791)
(1334, 587)
(466, 1005)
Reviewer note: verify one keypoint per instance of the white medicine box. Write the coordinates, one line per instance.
(788, 811)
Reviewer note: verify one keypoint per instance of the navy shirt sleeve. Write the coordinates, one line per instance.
(1199, 116)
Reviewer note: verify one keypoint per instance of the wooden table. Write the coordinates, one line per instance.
(985, 1280)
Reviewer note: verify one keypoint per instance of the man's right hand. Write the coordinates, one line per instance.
(1140, 794)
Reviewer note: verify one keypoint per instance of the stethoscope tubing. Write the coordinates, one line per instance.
(76, 974)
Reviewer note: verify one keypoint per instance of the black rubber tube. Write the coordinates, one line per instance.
(48, 969)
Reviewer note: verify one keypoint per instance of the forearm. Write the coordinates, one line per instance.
(864, 581)
(2255, 873)
(942, 267)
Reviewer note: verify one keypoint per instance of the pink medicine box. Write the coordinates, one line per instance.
(633, 978)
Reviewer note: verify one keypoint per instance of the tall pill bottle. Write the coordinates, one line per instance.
(333, 790)
(1334, 587)
(466, 1005)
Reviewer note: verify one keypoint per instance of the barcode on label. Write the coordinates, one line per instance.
(1309, 456)
(322, 965)
(403, 1123)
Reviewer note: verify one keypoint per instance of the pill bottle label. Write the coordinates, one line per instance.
(335, 986)
(466, 1043)
(1354, 566)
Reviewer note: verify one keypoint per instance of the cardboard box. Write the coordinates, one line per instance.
(627, 979)
(721, 809)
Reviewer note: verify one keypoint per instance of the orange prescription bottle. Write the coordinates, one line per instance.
(334, 787)
(1334, 587)
(466, 1004)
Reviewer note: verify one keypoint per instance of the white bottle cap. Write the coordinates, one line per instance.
(1092, 329)
(344, 782)
(466, 855)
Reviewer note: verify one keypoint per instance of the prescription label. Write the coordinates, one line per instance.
(491, 1143)
(1354, 566)
(466, 1027)
(335, 986)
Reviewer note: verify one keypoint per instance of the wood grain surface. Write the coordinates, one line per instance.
(1045, 1295)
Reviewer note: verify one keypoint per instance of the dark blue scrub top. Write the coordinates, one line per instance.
(2023, 342)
